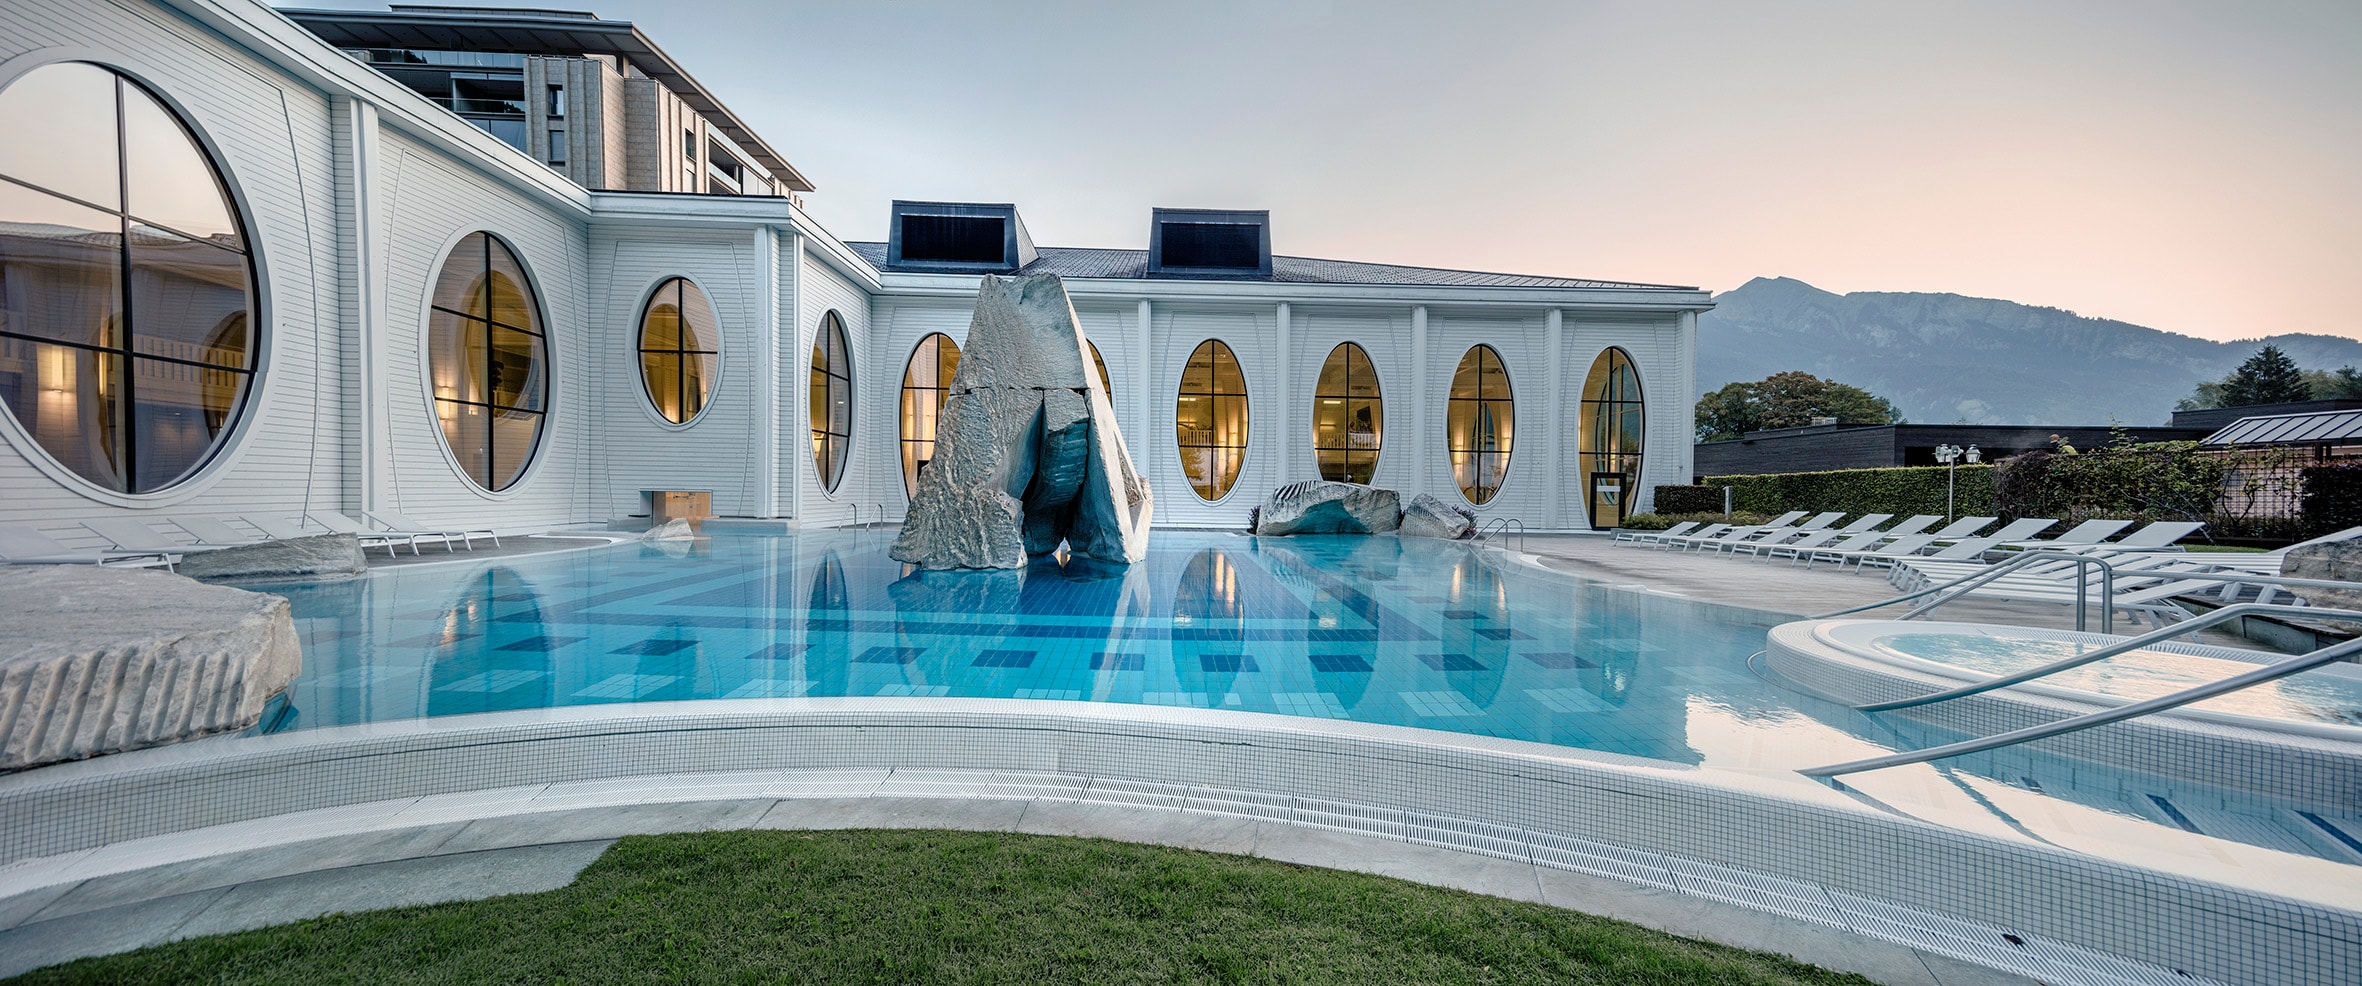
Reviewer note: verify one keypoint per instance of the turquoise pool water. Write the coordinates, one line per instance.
(1405, 632)
(1385, 630)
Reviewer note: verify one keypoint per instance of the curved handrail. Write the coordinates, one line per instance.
(1500, 526)
(2130, 644)
(1974, 579)
(2269, 672)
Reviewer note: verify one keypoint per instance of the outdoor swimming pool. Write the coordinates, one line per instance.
(1398, 631)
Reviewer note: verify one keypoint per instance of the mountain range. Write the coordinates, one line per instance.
(1945, 358)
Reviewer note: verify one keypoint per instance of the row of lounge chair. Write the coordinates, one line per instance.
(136, 544)
(1816, 539)
(2145, 581)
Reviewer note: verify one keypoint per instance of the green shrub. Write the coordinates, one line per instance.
(2149, 482)
(1659, 522)
(1901, 491)
(1689, 499)
(2332, 498)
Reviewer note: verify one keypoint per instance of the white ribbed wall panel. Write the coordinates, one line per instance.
(642, 450)
(821, 290)
(1249, 331)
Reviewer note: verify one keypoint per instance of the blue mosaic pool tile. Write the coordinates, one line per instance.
(627, 686)
(433, 640)
(1451, 662)
(1109, 661)
(1460, 614)
(493, 681)
(1439, 705)
(656, 646)
(770, 688)
(778, 652)
(1502, 633)
(1059, 694)
(1340, 663)
(1566, 699)
(544, 642)
(1624, 645)
(1557, 660)
(927, 691)
(1004, 659)
(890, 655)
(1227, 663)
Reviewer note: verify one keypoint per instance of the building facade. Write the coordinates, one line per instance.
(243, 273)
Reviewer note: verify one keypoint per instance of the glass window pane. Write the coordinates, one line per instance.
(1105, 383)
(1210, 419)
(71, 107)
(68, 399)
(188, 299)
(513, 436)
(506, 293)
(458, 287)
(516, 369)
(59, 265)
(700, 329)
(662, 371)
(662, 329)
(168, 181)
(697, 381)
(1479, 423)
(467, 430)
(180, 412)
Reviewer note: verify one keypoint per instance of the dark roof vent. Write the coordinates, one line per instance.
(1209, 243)
(957, 238)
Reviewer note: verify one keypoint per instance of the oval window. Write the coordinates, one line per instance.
(1210, 418)
(488, 360)
(1613, 426)
(678, 353)
(926, 384)
(832, 401)
(1348, 416)
(1481, 418)
(127, 330)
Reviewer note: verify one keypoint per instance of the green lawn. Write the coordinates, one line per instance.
(948, 907)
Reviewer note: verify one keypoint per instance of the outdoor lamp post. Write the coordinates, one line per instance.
(1950, 455)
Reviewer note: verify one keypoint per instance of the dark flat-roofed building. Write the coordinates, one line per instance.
(1817, 448)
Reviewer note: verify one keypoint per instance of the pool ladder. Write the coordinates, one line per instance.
(1498, 527)
(2269, 672)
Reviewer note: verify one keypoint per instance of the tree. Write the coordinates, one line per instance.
(1787, 400)
(2343, 383)
(2268, 377)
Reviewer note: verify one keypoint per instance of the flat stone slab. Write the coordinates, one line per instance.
(1430, 517)
(320, 557)
(100, 660)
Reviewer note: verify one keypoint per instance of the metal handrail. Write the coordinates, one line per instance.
(1500, 525)
(2269, 672)
(2130, 644)
(2023, 560)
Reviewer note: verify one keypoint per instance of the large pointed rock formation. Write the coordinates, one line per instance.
(1027, 455)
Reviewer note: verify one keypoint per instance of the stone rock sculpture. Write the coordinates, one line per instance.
(2329, 561)
(1027, 454)
(1429, 517)
(1322, 507)
(321, 557)
(100, 660)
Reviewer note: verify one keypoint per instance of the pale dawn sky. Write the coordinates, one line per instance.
(2191, 167)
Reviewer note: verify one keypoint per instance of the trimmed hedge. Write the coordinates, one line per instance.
(2150, 482)
(1689, 499)
(1902, 491)
(2332, 498)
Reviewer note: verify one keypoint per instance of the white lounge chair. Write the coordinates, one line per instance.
(1643, 537)
(1863, 541)
(342, 524)
(2088, 532)
(212, 530)
(1684, 540)
(396, 522)
(1884, 554)
(2159, 536)
(1865, 522)
(1964, 527)
(279, 529)
(1802, 542)
(20, 545)
(1917, 523)
(132, 534)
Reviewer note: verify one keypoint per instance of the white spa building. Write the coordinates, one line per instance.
(255, 267)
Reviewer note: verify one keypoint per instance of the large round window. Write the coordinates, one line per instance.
(488, 361)
(678, 351)
(1481, 418)
(1348, 416)
(926, 384)
(1210, 418)
(832, 401)
(127, 330)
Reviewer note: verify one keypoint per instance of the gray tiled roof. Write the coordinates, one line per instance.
(1133, 264)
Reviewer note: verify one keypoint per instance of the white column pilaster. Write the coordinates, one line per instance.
(1142, 379)
(765, 501)
(788, 364)
(1425, 445)
(1284, 404)
(361, 227)
(1559, 448)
